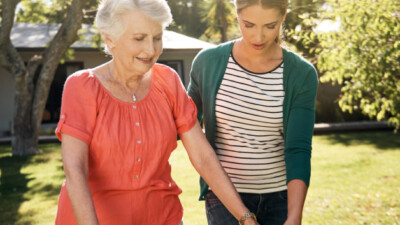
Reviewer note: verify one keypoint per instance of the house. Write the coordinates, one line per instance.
(29, 39)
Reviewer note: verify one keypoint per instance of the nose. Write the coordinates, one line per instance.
(259, 36)
(149, 48)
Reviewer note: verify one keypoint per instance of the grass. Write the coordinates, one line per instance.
(29, 186)
(355, 180)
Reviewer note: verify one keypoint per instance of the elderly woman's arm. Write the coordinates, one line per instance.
(205, 161)
(75, 160)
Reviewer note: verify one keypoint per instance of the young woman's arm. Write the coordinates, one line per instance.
(206, 162)
(298, 142)
(297, 191)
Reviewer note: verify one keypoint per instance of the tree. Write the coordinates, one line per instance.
(52, 11)
(187, 17)
(300, 10)
(363, 55)
(220, 17)
(31, 91)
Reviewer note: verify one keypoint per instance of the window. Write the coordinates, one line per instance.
(177, 65)
(53, 105)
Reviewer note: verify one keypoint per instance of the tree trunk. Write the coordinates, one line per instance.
(31, 94)
(24, 139)
(66, 35)
(224, 37)
(223, 23)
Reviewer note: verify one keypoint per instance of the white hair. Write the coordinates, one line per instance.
(110, 12)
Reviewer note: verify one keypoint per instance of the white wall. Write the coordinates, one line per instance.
(7, 88)
(91, 59)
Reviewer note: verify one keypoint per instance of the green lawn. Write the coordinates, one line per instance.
(355, 180)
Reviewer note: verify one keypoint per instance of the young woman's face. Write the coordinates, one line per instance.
(139, 47)
(259, 26)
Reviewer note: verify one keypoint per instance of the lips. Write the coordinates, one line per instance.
(144, 60)
(258, 47)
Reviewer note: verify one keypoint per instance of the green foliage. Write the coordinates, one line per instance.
(209, 20)
(220, 17)
(187, 17)
(51, 11)
(55, 11)
(40, 11)
(1, 10)
(363, 55)
(298, 28)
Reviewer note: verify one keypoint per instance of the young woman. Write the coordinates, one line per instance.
(257, 100)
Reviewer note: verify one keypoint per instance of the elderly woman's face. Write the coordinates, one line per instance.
(139, 47)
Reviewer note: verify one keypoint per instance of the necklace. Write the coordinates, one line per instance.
(119, 84)
(133, 97)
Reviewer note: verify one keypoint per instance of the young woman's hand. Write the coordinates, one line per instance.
(292, 221)
(250, 221)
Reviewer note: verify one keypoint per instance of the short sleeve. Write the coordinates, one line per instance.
(184, 109)
(78, 107)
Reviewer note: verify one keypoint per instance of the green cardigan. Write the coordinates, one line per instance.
(300, 83)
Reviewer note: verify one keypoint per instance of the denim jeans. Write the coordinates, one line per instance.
(269, 208)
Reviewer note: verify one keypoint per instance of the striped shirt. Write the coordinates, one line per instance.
(249, 135)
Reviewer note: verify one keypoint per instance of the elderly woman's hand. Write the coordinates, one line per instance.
(248, 219)
(206, 162)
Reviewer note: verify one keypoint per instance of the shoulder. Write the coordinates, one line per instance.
(83, 78)
(166, 76)
(299, 65)
(210, 54)
(296, 60)
(164, 72)
(82, 83)
(167, 83)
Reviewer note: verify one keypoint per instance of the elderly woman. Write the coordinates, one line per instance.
(118, 127)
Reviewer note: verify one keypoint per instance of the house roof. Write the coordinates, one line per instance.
(30, 35)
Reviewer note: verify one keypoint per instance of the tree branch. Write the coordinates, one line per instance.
(34, 63)
(7, 20)
(66, 35)
(9, 57)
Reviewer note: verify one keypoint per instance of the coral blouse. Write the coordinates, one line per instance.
(129, 147)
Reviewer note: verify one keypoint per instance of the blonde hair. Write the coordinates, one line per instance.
(110, 12)
(281, 5)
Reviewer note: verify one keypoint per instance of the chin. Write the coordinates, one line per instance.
(142, 66)
(144, 69)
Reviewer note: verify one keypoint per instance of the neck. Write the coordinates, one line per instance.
(271, 52)
(130, 81)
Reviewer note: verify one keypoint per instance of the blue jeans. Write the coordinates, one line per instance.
(269, 208)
